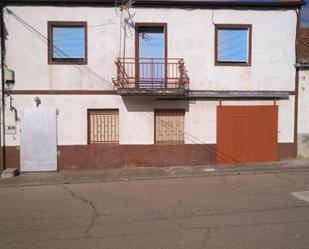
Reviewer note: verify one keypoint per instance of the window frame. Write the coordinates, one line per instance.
(234, 26)
(139, 25)
(155, 126)
(68, 61)
(89, 111)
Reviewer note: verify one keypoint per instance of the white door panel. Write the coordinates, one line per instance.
(38, 140)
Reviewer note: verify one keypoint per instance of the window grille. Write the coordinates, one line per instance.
(169, 126)
(103, 126)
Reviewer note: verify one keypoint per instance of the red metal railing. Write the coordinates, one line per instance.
(151, 73)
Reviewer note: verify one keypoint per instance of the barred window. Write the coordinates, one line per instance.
(169, 126)
(103, 126)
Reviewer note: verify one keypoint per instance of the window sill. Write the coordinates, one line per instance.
(84, 62)
(233, 64)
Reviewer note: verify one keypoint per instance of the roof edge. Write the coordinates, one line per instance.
(158, 3)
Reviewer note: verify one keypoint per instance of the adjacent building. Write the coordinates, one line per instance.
(303, 88)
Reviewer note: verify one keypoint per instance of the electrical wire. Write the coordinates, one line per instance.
(94, 75)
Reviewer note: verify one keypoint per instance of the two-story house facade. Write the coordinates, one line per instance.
(100, 84)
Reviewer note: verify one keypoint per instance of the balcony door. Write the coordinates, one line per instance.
(151, 54)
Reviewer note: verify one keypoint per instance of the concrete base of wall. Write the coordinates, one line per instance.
(9, 173)
(110, 156)
(12, 157)
(287, 151)
(102, 156)
(303, 145)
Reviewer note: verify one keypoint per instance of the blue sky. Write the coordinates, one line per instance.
(305, 15)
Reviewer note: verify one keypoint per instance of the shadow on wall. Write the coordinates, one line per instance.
(303, 146)
(205, 152)
(149, 104)
(196, 151)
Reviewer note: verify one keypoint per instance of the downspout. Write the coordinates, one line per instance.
(296, 82)
(2, 87)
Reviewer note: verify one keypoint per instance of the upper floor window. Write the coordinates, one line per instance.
(233, 44)
(67, 42)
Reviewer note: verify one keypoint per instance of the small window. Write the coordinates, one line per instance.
(169, 126)
(233, 45)
(103, 126)
(67, 42)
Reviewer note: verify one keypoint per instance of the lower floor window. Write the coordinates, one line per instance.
(103, 126)
(169, 126)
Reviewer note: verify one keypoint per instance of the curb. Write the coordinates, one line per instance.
(168, 175)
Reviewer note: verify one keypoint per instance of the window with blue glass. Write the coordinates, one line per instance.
(67, 42)
(233, 44)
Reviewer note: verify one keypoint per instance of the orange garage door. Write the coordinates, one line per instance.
(247, 134)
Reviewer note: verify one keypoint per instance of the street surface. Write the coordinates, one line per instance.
(260, 211)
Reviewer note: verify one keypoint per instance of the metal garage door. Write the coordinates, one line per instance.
(247, 134)
(38, 139)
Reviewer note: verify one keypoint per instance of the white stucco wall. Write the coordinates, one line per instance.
(136, 122)
(303, 114)
(190, 36)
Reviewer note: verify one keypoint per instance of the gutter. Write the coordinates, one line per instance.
(231, 95)
(302, 65)
(168, 3)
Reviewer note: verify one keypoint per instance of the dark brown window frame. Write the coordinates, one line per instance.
(155, 128)
(89, 129)
(234, 26)
(149, 24)
(68, 61)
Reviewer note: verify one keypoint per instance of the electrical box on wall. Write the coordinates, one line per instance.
(10, 129)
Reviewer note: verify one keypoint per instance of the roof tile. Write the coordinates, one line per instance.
(303, 46)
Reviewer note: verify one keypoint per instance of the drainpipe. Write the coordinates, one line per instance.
(2, 86)
(296, 81)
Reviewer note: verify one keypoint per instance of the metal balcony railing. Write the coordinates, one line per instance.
(151, 73)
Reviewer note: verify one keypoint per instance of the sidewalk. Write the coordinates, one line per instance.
(124, 174)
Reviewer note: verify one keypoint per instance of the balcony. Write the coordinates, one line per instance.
(151, 76)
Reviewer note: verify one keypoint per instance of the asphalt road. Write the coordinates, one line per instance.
(245, 211)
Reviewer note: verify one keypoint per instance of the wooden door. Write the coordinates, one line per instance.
(247, 134)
